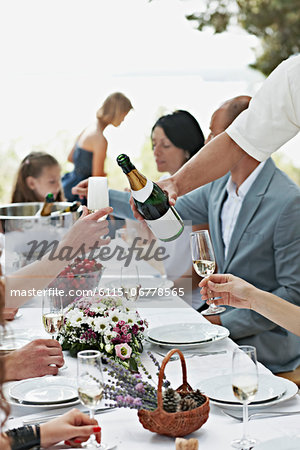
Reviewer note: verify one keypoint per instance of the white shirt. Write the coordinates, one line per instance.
(273, 116)
(233, 203)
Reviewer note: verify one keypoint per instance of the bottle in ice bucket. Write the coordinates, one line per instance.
(152, 203)
(48, 203)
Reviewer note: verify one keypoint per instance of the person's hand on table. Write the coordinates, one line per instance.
(233, 291)
(73, 427)
(33, 360)
(81, 189)
(9, 313)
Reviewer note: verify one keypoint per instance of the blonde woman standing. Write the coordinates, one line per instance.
(89, 151)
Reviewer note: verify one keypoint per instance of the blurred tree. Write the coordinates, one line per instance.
(275, 22)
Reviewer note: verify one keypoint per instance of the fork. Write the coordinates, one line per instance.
(262, 415)
(190, 355)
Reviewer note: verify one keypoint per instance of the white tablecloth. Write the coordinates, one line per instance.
(123, 427)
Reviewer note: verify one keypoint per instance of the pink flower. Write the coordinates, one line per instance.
(121, 323)
(123, 351)
(140, 387)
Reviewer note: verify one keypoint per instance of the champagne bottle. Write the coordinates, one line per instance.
(47, 206)
(71, 208)
(152, 203)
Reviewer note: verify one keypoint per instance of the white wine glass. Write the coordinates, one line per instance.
(52, 314)
(97, 197)
(90, 386)
(130, 283)
(244, 385)
(204, 262)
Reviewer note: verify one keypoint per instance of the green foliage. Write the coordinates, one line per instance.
(275, 22)
(287, 166)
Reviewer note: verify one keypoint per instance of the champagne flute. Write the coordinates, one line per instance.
(130, 283)
(244, 385)
(52, 313)
(90, 386)
(97, 194)
(204, 262)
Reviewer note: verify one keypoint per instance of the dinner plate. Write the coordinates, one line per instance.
(290, 390)
(13, 402)
(280, 443)
(44, 390)
(183, 333)
(220, 333)
(15, 339)
(219, 389)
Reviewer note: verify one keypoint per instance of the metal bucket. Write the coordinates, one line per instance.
(20, 226)
(21, 216)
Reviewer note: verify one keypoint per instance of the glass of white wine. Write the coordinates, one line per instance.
(90, 386)
(244, 385)
(130, 283)
(53, 314)
(204, 262)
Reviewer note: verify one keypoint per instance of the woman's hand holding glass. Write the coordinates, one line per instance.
(204, 262)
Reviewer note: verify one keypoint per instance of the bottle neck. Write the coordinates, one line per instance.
(137, 181)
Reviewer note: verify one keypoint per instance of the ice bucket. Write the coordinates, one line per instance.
(21, 216)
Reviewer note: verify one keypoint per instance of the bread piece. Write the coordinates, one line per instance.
(186, 444)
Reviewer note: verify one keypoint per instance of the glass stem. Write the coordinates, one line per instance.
(245, 420)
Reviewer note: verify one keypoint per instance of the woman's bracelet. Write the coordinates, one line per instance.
(24, 438)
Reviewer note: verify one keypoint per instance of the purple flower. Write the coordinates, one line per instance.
(134, 329)
(128, 399)
(137, 402)
(140, 388)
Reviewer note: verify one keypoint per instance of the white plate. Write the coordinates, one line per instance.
(13, 402)
(45, 390)
(15, 339)
(183, 333)
(280, 443)
(11, 343)
(221, 333)
(219, 389)
(291, 389)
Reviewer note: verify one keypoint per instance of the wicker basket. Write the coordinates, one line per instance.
(178, 423)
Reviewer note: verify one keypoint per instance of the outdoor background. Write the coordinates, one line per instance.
(61, 58)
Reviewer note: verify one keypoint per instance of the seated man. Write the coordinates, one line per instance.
(253, 215)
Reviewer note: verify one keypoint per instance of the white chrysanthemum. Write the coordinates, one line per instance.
(114, 316)
(101, 324)
(88, 320)
(132, 317)
(109, 335)
(75, 317)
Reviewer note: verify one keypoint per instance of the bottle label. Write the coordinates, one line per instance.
(142, 194)
(167, 227)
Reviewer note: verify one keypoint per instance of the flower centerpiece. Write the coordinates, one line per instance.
(103, 323)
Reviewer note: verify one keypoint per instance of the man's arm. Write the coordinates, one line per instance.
(213, 161)
(33, 360)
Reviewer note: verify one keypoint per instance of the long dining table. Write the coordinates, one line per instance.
(121, 426)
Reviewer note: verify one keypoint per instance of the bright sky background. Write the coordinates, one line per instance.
(61, 58)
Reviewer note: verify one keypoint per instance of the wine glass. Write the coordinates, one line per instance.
(130, 283)
(52, 313)
(244, 385)
(204, 262)
(97, 194)
(90, 386)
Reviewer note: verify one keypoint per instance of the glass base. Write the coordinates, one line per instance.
(92, 443)
(244, 443)
(211, 310)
